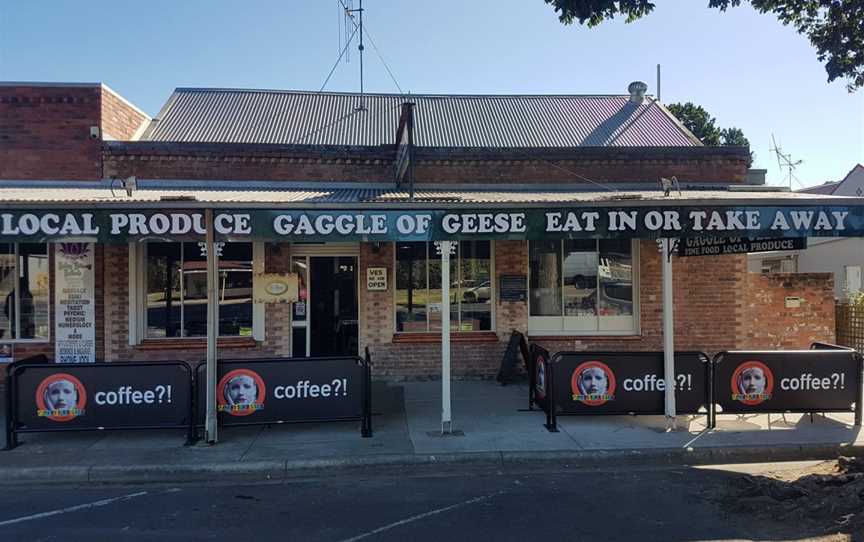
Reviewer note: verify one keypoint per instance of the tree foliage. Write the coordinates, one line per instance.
(704, 126)
(835, 27)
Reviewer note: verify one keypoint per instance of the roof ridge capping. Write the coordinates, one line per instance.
(395, 94)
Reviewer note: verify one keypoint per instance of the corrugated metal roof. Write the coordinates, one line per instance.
(310, 118)
(827, 188)
(385, 198)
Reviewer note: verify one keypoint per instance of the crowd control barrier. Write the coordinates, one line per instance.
(616, 383)
(826, 378)
(290, 390)
(52, 397)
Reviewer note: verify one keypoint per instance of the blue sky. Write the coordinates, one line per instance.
(745, 68)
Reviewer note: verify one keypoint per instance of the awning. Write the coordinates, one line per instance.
(351, 214)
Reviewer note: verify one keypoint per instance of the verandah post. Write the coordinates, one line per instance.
(446, 416)
(210, 424)
(668, 335)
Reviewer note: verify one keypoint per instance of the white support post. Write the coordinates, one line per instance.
(446, 418)
(210, 425)
(668, 335)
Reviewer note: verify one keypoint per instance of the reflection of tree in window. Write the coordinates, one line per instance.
(545, 263)
(586, 282)
(418, 287)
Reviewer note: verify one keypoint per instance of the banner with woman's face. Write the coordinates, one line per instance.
(77, 396)
(626, 382)
(61, 397)
(593, 383)
(240, 392)
(786, 381)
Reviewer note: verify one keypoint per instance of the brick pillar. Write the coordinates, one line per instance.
(116, 295)
(511, 258)
(277, 316)
(376, 310)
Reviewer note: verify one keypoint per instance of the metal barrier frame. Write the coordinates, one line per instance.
(365, 417)
(859, 387)
(12, 431)
(552, 412)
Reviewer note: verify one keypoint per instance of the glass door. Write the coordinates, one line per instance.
(324, 318)
(299, 309)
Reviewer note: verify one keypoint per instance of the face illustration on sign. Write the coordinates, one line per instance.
(593, 383)
(241, 393)
(60, 397)
(752, 383)
(540, 385)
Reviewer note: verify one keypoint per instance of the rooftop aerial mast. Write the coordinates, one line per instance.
(784, 161)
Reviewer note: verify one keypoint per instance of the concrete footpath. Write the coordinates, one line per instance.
(494, 429)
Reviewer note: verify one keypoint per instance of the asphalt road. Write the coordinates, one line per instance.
(458, 504)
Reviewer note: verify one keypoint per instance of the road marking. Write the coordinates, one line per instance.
(421, 516)
(95, 504)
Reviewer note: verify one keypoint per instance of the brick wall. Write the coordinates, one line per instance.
(120, 119)
(375, 308)
(769, 324)
(274, 162)
(45, 132)
(707, 315)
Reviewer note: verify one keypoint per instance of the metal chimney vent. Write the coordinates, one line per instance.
(637, 90)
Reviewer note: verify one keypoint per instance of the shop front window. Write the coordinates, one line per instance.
(24, 290)
(418, 287)
(176, 289)
(581, 285)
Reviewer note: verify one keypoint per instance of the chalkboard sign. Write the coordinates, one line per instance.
(510, 362)
(514, 288)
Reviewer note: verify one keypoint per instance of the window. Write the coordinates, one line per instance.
(176, 289)
(786, 264)
(418, 287)
(581, 285)
(24, 290)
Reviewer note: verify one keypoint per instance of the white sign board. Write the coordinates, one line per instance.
(74, 303)
(376, 278)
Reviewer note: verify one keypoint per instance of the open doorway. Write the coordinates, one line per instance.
(325, 316)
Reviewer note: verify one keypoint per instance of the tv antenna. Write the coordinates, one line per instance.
(784, 161)
(348, 6)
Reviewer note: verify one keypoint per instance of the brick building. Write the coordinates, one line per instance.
(489, 168)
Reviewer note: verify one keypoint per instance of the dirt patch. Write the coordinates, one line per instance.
(828, 497)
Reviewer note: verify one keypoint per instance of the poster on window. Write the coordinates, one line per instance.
(74, 303)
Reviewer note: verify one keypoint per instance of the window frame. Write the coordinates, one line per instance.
(138, 296)
(493, 291)
(49, 250)
(555, 326)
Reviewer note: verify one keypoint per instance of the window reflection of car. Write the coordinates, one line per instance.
(617, 295)
(235, 301)
(478, 294)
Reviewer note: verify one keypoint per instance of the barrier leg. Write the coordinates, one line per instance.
(366, 422)
(11, 435)
(859, 408)
(551, 422)
(192, 430)
(551, 418)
